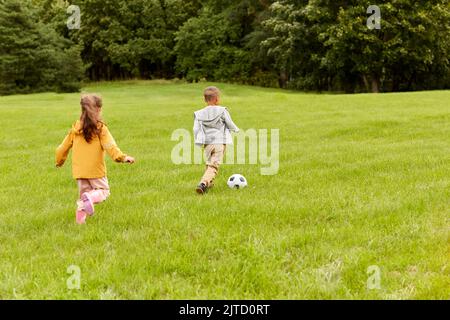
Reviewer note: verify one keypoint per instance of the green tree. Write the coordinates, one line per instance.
(33, 57)
(306, 45)
(216, 44)
(326, 45)
(412, 41)
(124, 39)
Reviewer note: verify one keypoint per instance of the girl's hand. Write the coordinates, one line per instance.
(129, 159)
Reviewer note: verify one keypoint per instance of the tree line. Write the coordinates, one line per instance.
(319, 45)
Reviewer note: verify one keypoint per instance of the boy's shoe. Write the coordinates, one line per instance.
(81, 217)
(202, 188)
(88, 203)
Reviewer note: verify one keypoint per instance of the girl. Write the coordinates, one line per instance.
(90, 138)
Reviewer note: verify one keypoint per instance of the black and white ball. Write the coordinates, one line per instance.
(237, 181)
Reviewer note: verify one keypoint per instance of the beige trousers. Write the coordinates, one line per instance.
(97, 188)
(214, 154)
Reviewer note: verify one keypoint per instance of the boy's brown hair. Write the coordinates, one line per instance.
(210, 93)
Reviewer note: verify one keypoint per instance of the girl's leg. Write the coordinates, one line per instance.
(100, 190)
(93, 191)
(83, 187)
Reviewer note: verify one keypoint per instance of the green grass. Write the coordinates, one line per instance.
(364, 180)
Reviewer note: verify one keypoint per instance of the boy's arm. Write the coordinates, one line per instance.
(109, 144)
(196, 126)
(63, 150)
(229, 122)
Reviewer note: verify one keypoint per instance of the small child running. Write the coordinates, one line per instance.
(212, 130)
(90, 138)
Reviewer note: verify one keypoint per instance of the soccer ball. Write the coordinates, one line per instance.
(237, 181)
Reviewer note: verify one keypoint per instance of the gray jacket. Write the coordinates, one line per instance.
(212, 125)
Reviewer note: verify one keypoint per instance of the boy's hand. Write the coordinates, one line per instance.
(130, 160)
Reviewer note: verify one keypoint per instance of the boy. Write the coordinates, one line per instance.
(212, 126)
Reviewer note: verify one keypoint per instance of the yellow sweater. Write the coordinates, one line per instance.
(88, 159)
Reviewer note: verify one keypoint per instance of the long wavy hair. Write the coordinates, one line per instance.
(90, 116)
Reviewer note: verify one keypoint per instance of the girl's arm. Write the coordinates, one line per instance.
(109, 144)
(63, 150)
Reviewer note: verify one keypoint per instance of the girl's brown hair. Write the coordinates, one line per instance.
(90, 116)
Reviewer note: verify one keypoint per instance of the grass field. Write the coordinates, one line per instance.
(364, 181)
